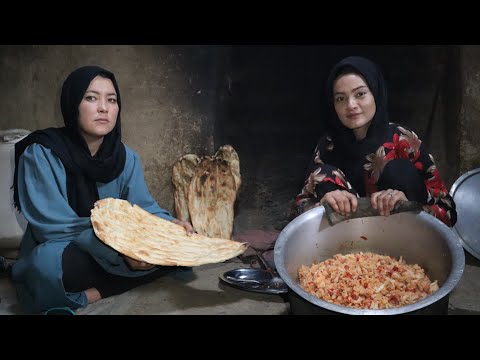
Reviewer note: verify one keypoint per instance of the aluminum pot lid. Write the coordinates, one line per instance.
(466, 194)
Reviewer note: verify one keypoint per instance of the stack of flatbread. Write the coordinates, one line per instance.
(140, 235)
(206, 189)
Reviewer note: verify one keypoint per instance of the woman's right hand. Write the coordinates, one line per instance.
(137, 265)
(341, 201)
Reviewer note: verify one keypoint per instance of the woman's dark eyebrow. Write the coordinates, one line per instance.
(96, 92)
(358, 87)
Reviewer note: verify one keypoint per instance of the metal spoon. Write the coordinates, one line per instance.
(243, 280)
(276, 280)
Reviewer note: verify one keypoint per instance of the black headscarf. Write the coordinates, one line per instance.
(82, 169)
(348, 153)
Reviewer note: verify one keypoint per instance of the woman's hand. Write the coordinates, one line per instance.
(185, 224)
(385, 200)
(341, 201)
(137, 264)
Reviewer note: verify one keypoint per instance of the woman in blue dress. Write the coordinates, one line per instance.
(59, 174)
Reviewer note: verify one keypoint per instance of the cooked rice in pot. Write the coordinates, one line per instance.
(366, 281)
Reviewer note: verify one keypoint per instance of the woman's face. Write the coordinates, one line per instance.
(98, 110)
(354, 103)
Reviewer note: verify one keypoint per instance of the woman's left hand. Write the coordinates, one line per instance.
(385, 200)
(185, 224)
(137, 264)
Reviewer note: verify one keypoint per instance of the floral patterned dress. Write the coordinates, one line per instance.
(400, 144)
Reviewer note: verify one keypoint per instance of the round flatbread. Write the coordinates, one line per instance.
(228, 153)
(182, 173)
(140, 235)
(211, 198)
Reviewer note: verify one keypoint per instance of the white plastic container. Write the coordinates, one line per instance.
(12, 223)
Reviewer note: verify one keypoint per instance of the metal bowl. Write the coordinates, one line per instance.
(416, 236)
(255, 280)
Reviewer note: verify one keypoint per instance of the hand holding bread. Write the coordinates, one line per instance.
(142, 236)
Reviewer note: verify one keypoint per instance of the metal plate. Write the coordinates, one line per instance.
(255, 280)
(466, 194)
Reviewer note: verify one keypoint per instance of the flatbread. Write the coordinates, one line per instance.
(205, 193)
(140, 235)
(228, 153)
(182, 173)
(211, 198)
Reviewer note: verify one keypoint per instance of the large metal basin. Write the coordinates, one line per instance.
(416, 236)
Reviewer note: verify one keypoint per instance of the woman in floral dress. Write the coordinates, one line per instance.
(364, 155)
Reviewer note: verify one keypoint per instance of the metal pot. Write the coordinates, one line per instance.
(416, 236)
